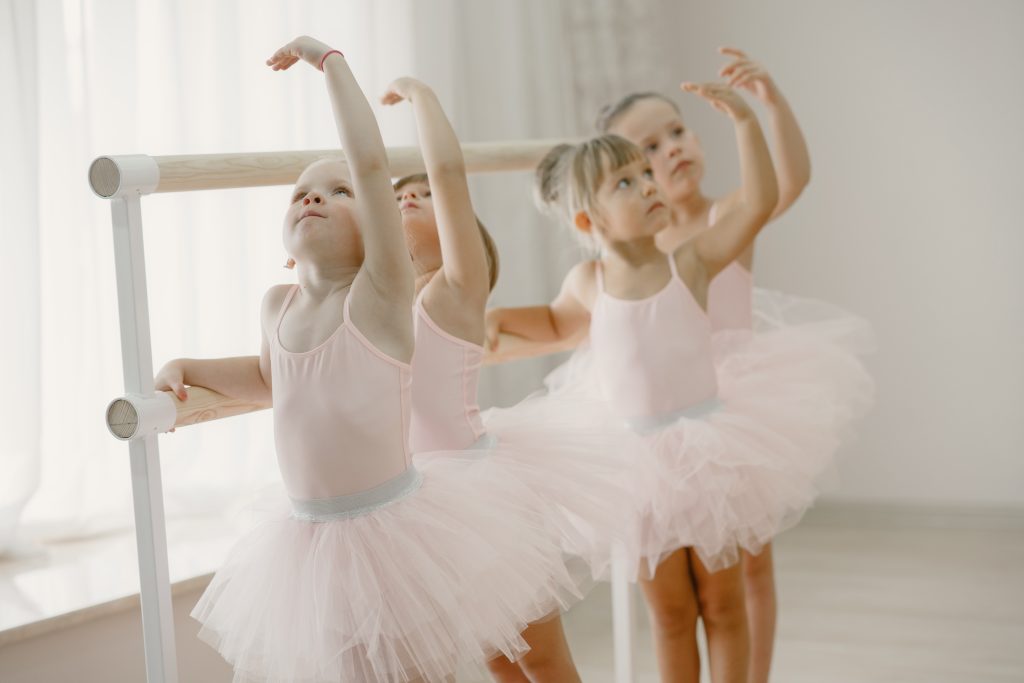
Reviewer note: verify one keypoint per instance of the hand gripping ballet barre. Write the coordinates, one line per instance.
(135, 416)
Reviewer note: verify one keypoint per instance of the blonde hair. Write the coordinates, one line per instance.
(568, 177)
(490, 248)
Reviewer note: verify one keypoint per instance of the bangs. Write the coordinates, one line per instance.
(614, 152)
(600, 157)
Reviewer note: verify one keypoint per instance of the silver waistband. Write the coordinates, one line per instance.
(646, 425)
(360, 503)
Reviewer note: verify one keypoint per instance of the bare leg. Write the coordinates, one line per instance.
(548, 660)
(673, 608)
(762, 607)
(723, 609)
(504, 670)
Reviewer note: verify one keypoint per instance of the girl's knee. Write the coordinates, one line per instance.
(675, 617)
(723, 600)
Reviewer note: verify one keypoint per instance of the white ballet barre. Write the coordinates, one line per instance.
(141, 414)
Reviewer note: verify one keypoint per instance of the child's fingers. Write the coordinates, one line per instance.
(285, 64)
(705, 90)
(282, 60)
(278, 55)
(181, 391)
(732, 66)
(732, 52)
(742, 74)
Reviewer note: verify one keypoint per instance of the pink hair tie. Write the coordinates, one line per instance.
(328, 54)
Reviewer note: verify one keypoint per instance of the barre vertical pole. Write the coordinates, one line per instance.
(138, 177)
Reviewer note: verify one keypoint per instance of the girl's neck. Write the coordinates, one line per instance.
(632, 254)
(691, 207)
(320, 282)
(425, 272)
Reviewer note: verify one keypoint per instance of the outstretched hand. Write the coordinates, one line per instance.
(404, 88)
(721, 97)
(745, 73)
(309, 50)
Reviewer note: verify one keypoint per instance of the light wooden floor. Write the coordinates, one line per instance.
(872, 596)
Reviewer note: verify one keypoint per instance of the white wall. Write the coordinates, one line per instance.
(912, 113)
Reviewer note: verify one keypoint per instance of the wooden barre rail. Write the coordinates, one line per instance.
(187, 173)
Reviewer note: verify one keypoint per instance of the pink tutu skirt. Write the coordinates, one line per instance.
(431, 577)
(568, 468)
(735, 471)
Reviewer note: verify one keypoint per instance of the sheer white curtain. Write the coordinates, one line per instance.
(82, 78)
(20, 402)
(93, 77)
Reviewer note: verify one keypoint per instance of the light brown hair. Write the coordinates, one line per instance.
(490, 248)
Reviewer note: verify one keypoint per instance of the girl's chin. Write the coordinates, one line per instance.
(681, 188)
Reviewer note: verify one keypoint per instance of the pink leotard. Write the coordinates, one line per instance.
(653, 355)
(341, 415)
(730, 294)
(445, 412)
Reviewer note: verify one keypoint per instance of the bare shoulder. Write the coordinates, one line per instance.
(273, 299)
(581, 282)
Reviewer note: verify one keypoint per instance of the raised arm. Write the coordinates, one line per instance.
(743, 218)
(387, 266)
(789, 149)
(462, 248)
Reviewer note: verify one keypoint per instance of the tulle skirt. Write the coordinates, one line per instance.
(432, 582)
(567, 467)
(735, 471)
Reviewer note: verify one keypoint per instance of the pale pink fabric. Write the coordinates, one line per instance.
(730, 294)
(375, 570)
(738, 428)
(445, 412)
(730, 298)
(560, 462)
(654, 355)
(341, 413)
